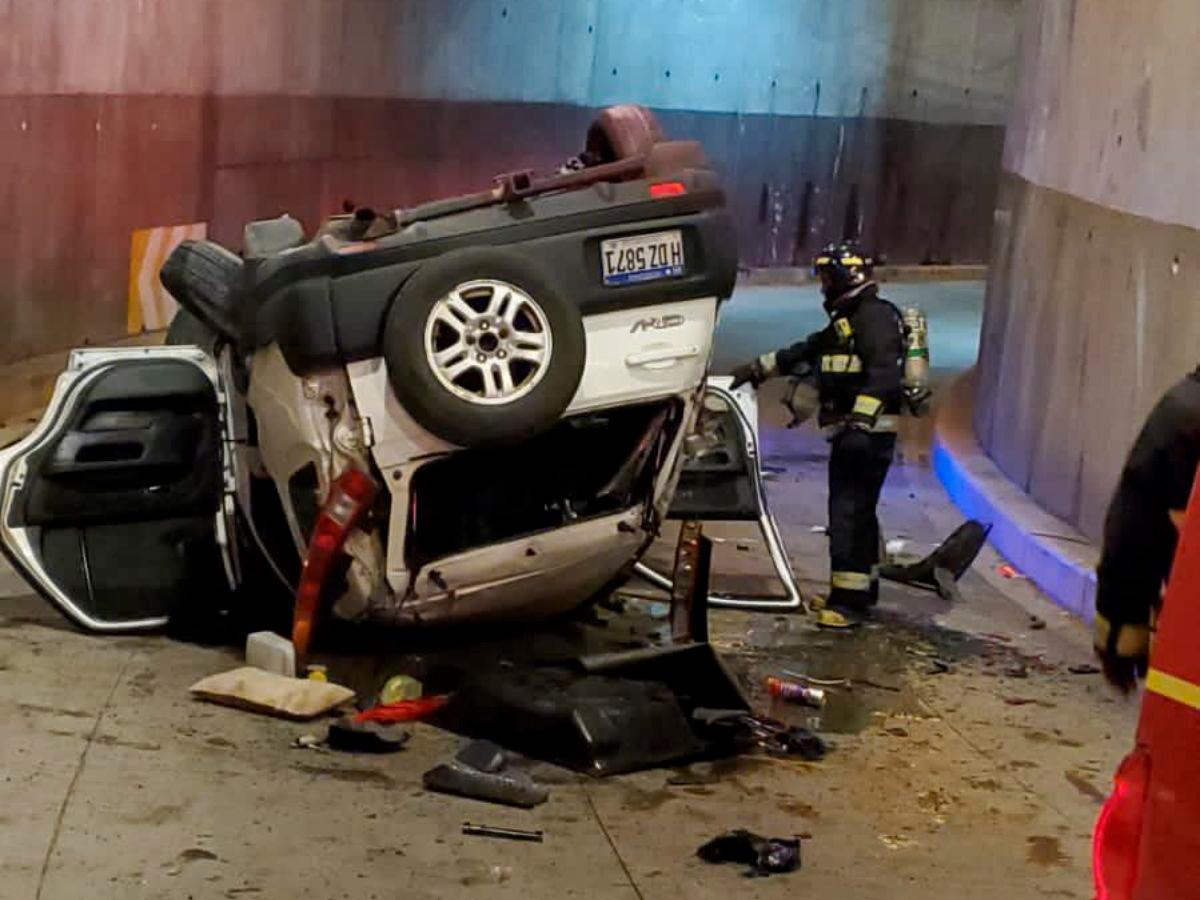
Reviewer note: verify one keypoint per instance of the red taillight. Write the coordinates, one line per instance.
(1118, 833)
(667, 189)
(350, 496)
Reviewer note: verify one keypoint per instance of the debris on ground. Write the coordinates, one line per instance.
(938, 666)
(795, 692)
(1004, 570)
(1018, 671)
(351, 736)
(258, 691)
(941, 569)
(483, 756)
(508, 834)
(818, 682)
(764, 856)
(509, 788)
(897, 841)
(1036, 623)
(740, 729)
(1084, 669)
(309, 742)
(403, 711)
(399, 688)
(270, 652)
(1019, 701)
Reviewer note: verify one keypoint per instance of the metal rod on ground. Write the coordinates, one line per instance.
(508, 834)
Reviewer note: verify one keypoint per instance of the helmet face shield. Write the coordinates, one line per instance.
(841, 268)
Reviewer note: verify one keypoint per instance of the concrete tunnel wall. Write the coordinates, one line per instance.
(1092, 309)
(879, 117)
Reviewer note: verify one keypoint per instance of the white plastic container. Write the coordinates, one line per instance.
(268, 651)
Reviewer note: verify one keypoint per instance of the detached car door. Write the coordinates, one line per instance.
(721, 481)
(115, 507)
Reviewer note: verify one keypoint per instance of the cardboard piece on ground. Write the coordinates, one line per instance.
(276, 695)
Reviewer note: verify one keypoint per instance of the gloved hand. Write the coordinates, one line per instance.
(858, 422)
(1124, 652)
(754, 372)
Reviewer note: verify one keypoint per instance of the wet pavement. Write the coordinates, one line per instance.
(966, 758)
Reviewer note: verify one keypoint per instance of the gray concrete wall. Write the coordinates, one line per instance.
(878, 118)
(1092, 308)
(948, 61)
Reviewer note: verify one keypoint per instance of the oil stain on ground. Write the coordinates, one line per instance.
(871, 669)
(1085, 786)
(1045, 851)
(349, 776)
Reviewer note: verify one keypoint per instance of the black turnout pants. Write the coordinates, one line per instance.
(858, 465)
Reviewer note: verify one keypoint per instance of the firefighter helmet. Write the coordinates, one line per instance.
(842, 267)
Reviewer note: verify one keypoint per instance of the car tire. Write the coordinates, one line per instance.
(447, 360)
(624, 131)
(204, 278)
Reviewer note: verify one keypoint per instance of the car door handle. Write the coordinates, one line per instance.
(661, 359)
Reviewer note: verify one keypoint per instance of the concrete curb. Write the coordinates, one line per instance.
(798, 275)
(1056, 557)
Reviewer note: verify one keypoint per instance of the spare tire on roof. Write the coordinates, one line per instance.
(482, 349)
(620, 132)
(204, 277)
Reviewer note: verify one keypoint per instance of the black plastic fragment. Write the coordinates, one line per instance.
(365, 737)
(764, 856)
(483, 756)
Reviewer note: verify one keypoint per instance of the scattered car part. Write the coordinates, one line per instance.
(510, 789)
(349, 735)
(689, 585)
(510, 834)
(118, 507)
(404, 711)
(483, 756)
(265, 692)
(349, 499)
(741, 730)
(727, 484)
(764, 856)
(483, 349)
(941, 569)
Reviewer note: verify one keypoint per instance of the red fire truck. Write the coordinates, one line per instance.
(1147, 840)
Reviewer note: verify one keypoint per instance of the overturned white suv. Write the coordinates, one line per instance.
(484, 401)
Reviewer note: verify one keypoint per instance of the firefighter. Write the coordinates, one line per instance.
(1140, 531)
(857, 361)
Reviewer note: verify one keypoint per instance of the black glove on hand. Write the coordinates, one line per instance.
(859, 422)
(751, 373)
(1124, 652)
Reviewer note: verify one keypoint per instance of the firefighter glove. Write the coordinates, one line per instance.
(1124, 652)
(754, 372)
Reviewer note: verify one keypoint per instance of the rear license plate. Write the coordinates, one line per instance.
(646, 257)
